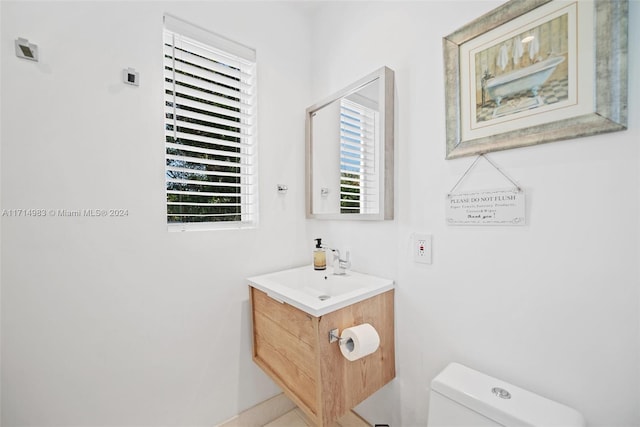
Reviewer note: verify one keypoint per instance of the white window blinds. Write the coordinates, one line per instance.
(209, 130)
(359, 186)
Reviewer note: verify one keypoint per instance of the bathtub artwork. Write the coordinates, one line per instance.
(524, 72)
(535, 71)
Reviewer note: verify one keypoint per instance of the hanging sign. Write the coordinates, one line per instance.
(495, 207)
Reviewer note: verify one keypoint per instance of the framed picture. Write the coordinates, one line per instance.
(535, 71)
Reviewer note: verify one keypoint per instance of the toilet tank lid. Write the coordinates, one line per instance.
(473, 389)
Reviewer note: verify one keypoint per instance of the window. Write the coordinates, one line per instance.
(359, 187)
(211, 178)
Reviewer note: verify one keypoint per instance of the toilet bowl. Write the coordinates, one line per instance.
(461, 396)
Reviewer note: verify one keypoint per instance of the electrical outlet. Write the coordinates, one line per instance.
(421, 248)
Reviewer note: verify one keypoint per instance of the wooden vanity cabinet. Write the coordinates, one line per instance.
(293, 348)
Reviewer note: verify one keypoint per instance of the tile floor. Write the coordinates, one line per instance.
(297, 418)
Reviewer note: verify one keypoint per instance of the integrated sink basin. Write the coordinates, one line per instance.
(318, 292)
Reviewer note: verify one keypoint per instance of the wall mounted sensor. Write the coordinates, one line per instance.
(131, 77)
(26, 50)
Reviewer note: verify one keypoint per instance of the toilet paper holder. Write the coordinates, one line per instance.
(334, 336)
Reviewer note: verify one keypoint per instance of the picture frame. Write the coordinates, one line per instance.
(581, 46)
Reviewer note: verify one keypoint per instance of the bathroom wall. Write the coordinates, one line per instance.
(0, 237)
(552, 306)
(115, 321)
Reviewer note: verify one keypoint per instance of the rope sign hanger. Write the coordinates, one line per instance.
(451, 192)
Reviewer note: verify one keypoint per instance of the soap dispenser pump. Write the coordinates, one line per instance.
(319, 256)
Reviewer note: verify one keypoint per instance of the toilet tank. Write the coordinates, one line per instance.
(461, 396)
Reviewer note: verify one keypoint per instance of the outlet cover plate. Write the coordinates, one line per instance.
(422, 248)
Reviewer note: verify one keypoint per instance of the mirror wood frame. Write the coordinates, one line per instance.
(386, 90)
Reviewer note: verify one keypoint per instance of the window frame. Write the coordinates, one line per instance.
(247, 155)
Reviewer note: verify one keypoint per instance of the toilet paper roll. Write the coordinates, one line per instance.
(359, 341)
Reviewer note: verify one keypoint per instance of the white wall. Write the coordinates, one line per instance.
(115, 321)
(552, 306)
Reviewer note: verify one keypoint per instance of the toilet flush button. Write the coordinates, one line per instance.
(501, 393)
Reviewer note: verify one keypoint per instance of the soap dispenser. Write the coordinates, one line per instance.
(319, 256)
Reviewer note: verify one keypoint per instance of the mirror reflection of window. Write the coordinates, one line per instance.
(359, 186)
(349, 151)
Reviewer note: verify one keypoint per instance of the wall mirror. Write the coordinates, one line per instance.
(349, 151)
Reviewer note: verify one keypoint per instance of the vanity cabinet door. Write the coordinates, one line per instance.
(285, 346)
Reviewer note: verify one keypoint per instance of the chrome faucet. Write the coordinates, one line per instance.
(340, 265)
